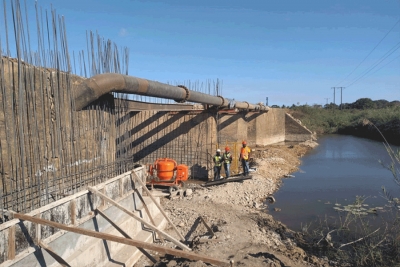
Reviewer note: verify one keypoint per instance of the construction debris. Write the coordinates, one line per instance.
(238, 215)
(229, 180)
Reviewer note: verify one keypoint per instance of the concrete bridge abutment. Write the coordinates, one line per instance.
(260, 129)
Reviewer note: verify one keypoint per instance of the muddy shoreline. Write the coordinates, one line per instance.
(237, 213)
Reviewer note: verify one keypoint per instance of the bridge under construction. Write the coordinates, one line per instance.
(75, 139)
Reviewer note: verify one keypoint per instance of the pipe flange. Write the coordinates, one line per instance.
(187, 94)
(248, 104)
(222, 100)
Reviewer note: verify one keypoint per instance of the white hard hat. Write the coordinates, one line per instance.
(218, 150)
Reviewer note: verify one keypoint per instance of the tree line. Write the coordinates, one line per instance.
(362, 104)
(358, 118)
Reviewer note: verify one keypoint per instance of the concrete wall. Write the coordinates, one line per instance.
(19, 242)
(50, 153)
(56, 150)
(231, 127)
(48, 149)
(185, 136)
(254, 127)
(294, 131)
(270, 127)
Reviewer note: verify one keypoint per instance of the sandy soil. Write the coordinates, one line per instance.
(243, 230)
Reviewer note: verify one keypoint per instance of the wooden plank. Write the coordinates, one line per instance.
(11, 243)
(207, 226)
(148, 212)
(117, 205)
(103, 201)
(38, 230)
(192, 229)
(122, 232)
(121, 188)
(204, 241)
(59, 202)
(130, 242)
(158, 205)
(57, 257)
(73, 211)
(223, 181)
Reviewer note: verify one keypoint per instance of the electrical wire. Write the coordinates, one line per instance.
(386, 55)
(373, 49)
(385, 65)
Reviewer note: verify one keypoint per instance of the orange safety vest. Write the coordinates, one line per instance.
(244, 153)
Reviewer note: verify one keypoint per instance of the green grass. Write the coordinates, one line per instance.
(351, 121)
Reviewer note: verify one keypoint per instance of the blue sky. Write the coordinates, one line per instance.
(290, 51)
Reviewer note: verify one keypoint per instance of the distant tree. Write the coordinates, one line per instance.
(364, 103)
(395, 103)
(382, 103)
(283, 106)
(331, 106)
(346, 106)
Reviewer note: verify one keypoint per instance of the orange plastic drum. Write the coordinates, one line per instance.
(165, 168)
(182, 172)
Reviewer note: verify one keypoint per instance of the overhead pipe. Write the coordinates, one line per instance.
(92, 88)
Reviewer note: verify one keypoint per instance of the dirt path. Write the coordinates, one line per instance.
(236, 212)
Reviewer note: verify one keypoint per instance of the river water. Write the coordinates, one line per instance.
(333, 174)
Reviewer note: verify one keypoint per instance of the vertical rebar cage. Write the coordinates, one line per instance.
(47, 149)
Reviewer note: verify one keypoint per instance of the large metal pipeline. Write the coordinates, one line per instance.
(91, 89)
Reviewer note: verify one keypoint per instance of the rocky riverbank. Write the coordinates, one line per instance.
(236, 212)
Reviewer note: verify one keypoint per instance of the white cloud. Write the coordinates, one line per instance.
(123, 32)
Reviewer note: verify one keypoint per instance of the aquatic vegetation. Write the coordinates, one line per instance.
(357, 209)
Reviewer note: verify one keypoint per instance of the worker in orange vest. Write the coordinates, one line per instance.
(244, 157)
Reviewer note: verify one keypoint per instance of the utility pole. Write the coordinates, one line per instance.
(341, 95)
(327, 99)
(341, 88)
(266, 101)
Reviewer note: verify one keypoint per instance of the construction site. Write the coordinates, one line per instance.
(80, 138)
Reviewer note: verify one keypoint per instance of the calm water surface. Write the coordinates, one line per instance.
(340, 168)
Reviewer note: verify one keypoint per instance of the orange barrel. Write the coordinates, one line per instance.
(165, 168)
(182, 172)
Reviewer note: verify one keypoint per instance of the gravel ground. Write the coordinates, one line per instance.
(237, 212)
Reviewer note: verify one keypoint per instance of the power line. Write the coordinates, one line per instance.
(373, 66)
(385, 65)
(369, 53)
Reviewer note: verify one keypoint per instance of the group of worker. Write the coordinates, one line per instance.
(226, 160)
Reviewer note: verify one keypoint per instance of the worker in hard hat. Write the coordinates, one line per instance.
(217, 165)
(244, 157)
(227, 158)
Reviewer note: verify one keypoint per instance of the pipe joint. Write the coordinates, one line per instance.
(224, 101)
(187, 91)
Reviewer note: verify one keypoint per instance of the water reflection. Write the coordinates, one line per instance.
(340, 168)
